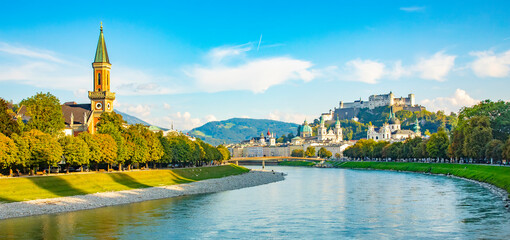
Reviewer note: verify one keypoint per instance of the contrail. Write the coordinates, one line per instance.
(260, 40)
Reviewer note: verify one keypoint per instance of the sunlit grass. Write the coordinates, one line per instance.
(29, 188)
(495, 175)
(297, 163)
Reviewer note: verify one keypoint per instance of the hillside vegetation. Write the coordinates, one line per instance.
(238, 129)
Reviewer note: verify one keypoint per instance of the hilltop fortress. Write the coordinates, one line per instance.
(349, 110)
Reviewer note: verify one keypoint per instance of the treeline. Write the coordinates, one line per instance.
(39, 141)
(482, 135)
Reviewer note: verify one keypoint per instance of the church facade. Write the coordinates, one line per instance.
(391, 130)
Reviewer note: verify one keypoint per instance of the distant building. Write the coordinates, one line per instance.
(305, 130)
(332, 135)
(381, 100)
(391, 131)
(350, 110)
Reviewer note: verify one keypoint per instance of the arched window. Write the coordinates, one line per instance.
(99, 79)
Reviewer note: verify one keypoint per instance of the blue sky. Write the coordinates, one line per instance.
(191, 62)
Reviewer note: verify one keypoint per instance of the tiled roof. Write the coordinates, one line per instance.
(78, 111)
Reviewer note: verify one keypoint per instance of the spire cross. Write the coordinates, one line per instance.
(101, 26)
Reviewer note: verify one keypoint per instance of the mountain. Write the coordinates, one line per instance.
(134, 120)
(238, 129)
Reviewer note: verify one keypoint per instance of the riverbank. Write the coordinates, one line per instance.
(62, 185)
(496, 178)
(103, 199)
(494, 175)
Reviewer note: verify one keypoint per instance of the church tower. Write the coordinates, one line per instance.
(101, 99)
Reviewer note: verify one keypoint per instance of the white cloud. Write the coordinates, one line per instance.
(298, 118)
(41, 68)
(166, 106)
(22, 51)
(398, 71)
(210, 118)
(255, 75)
(369, 71)
(358, 70)
(220, 53)
(412, 9)
(489, 64)
(450, 104)
(435, 67)
(366, 71)
(142, 111)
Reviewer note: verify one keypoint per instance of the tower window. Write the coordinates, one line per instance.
(99, 79)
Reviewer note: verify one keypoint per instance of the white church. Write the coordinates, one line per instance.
(391, 131)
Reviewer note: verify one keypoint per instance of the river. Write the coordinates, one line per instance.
(310, 204)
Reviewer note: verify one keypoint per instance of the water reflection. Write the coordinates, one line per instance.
(310, 203)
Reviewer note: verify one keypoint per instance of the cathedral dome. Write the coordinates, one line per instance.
(306, 128)
(394, 120)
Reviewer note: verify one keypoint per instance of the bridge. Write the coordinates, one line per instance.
(268, 160)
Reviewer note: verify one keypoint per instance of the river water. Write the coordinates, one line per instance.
(310, 204)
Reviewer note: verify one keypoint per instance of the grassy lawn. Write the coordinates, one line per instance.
(495, 175)
(296, 163)
(29, 188)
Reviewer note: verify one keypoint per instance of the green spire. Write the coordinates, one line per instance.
(416, 126)
(101, 53)
(337, 123)
(322, 120)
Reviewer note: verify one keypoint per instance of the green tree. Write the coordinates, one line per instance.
(506, 150)
(337, 155)
(477, 134)
(75, 151)
(8, 152)
(456, 148)
(108, 149)
(115, 131)
(393, 151)
(93, 146)
(167, 149)
(44, 148)
(8, 124)
(310, 151)
(324, 153)
(140, 153)
(437, 145)
(45, 113)
(494, 150)
(297, 153)
(225, 153)
(497, 112)
(153, 144)
(24, 151)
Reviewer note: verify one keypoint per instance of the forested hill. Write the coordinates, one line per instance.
(132, 120)
(238, 129)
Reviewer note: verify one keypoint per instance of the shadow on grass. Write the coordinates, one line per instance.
(126, 180)
(57, 186)
(178, 179)
(6, 200)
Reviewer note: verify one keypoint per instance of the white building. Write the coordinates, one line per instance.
(331, 135)
(381, 100)
(391, 131)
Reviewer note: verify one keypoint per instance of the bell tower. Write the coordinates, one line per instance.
(101, 99)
